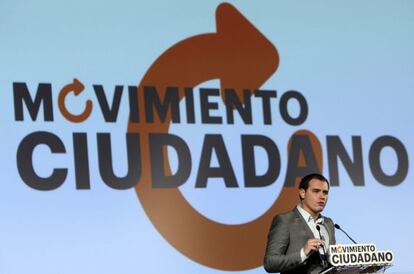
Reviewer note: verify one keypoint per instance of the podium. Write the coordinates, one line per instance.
(358, 258)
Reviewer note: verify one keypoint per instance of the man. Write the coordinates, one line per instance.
(294, 244)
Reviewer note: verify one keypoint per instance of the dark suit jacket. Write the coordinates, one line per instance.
(288, 234)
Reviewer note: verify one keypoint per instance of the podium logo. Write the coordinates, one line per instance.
(359, 255)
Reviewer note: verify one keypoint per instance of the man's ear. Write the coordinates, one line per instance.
(302, 193)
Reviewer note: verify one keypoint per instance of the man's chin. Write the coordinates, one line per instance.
(319, 209)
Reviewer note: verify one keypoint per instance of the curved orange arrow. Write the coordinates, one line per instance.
(77, 87)
(242, 58)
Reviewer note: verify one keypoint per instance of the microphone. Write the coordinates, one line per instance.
(325, 258)
(349, 237)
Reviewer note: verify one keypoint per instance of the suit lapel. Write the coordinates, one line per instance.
(330, 231)
(304, 223)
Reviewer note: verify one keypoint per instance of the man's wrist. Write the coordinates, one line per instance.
(303, 256)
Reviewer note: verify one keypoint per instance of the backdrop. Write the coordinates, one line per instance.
(162, 136)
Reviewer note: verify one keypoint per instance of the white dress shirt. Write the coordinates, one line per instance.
(312, 225)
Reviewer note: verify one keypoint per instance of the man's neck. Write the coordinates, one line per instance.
(314, 215)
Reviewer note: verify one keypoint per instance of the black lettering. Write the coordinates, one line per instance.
(106, 163)
(374, 258)
(249, 142)
(283, 107)
(402, 161)
(80, 152)
(389, 256)
(335, 259)
(169, 104)
(189, 105)
(300, 144)
(158, 152)
(355, 167)
(206, 106)
(232, 102)
(224, 170)
(266, 95)
(25, 161)
(360, 258)
(43, 95)
(133, 104)
(110, 114)
(346, 258)
(353, 258)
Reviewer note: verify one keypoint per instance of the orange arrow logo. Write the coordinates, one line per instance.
(76, 87)
(242, 58)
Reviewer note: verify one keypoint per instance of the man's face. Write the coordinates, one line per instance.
(315, 197)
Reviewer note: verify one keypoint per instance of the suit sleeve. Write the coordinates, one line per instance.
(276, 259)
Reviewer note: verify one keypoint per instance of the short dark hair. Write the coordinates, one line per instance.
(304, 183)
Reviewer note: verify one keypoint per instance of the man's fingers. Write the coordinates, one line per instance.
(317, 243)
(313, 245)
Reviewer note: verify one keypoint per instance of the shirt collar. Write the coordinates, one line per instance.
(308, 218)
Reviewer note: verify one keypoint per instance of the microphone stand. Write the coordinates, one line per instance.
(325, 259)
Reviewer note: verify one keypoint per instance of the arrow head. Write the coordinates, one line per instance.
(247, 50)
(77, 86)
